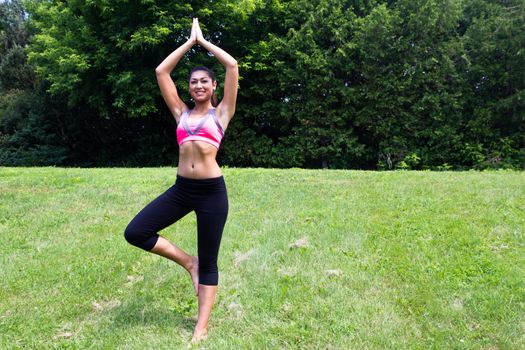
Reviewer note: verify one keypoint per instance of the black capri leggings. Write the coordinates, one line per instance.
(208, 198)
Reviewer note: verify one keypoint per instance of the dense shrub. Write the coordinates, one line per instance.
(425, 84)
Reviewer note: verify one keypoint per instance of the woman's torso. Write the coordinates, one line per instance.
(199, 136)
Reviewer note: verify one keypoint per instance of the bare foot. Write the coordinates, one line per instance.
(199, 335)
(194, 273)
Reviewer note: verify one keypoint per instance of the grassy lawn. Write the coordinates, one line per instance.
(309, 259)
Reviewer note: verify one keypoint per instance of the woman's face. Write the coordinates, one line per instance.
(201, 86)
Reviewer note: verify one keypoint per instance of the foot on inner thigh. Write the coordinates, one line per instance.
(194, 273)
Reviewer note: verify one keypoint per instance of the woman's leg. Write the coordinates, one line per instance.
(165, 248)
(143, 230)
(206, 300)
(210, 227)
(211, 218)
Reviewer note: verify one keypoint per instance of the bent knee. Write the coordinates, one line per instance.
(132, 236)
(139, 238)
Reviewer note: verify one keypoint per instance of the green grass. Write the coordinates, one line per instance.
(382, 260)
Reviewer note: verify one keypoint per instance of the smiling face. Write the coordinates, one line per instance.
(202, 86)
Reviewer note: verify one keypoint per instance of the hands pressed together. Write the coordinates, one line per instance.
(226, 108)
(196, 36)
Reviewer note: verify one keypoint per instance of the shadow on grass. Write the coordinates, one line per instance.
(141, 313)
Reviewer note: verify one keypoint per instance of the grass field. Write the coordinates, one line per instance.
(309, 259)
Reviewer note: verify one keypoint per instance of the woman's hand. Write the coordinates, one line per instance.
(198, 31)
(193, 35)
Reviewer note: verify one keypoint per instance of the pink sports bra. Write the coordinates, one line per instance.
(206, 129)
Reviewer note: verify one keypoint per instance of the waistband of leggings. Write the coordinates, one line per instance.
(200, 182)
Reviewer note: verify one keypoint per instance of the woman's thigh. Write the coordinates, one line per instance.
(211, 219)
(160, 213)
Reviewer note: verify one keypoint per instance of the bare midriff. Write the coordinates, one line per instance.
(197, 160)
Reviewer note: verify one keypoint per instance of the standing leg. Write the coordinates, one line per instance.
(206, 300)
(210, 227)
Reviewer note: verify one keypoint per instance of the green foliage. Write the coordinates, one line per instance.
(28, 133)
(306, 106)
(29, 130)
(404, 84)
(12, 28)
(410, 91)
(495, 42)
(15, 73)
(103, 53)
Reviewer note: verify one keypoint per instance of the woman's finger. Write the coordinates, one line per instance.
(193, 33)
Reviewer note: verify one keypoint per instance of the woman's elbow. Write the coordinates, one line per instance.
(233, 64)
(160, 70)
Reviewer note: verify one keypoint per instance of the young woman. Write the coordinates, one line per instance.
(199, 186)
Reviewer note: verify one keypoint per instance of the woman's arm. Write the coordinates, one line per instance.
(166, 84)
(226, 108)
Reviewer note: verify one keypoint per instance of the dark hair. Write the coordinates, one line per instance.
(209, 72)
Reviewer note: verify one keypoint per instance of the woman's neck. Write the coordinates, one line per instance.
(202, 107)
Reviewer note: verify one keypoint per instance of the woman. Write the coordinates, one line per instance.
(199, 186)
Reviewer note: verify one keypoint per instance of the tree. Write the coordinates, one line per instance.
(345, 84)
(495, 41)
(15, 73)
(411, 95)
(28, 133)
(302, 102)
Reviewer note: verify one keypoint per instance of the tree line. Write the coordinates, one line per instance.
(398, 84)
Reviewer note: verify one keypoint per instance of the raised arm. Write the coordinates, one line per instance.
(226, 107)
(166, 84)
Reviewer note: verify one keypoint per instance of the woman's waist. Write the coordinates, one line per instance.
(199, 169)
(200, 185)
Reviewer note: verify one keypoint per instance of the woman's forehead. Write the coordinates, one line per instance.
(199, 74)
